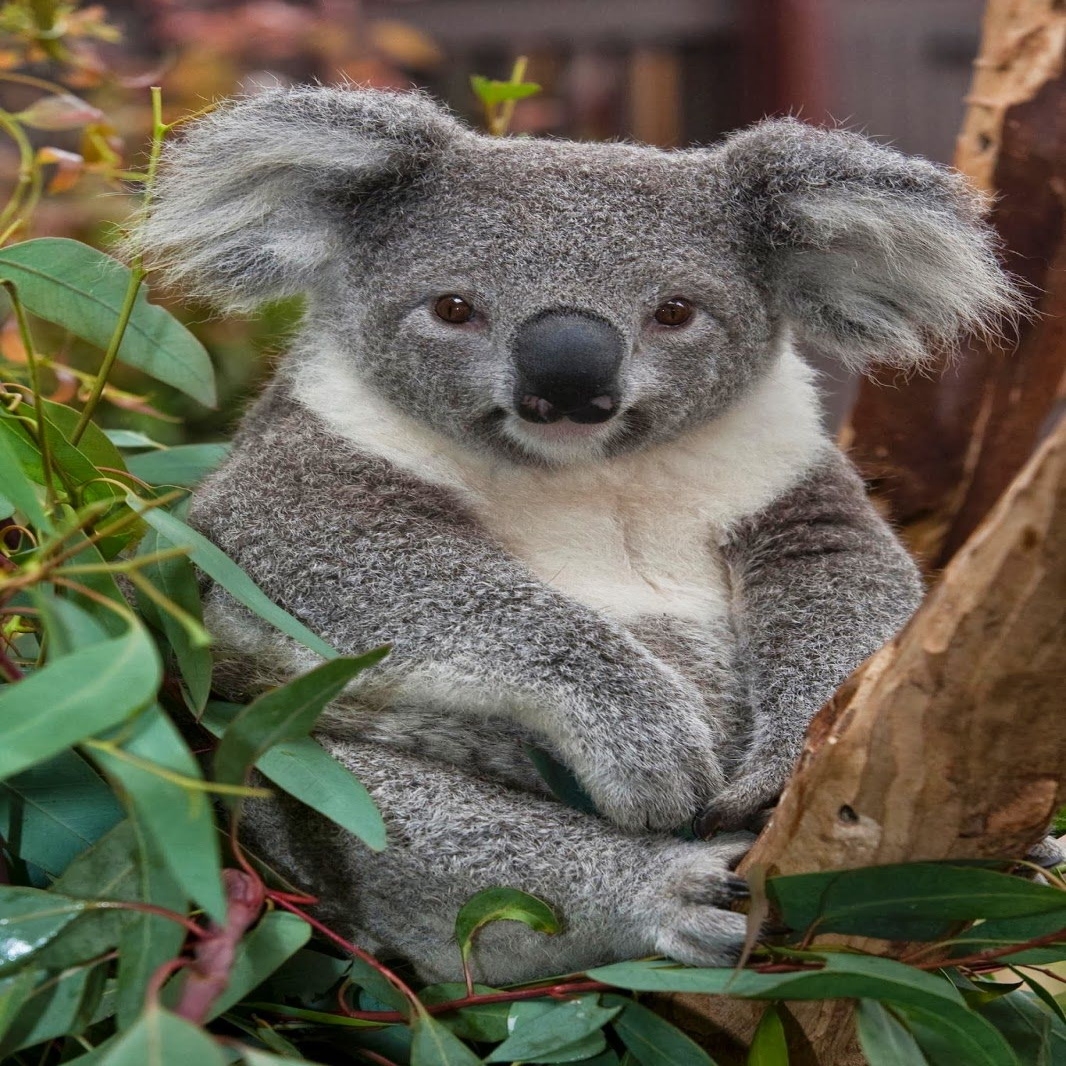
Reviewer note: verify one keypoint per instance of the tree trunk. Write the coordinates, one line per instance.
(950, 743)
(940, 451)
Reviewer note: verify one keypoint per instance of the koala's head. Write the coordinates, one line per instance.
(556, 300)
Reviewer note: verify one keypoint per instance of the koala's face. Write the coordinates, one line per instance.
(555, 301)
(558, 301)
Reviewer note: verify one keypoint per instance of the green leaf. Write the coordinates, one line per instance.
(19, 488)
(651, 1039)
(1036, 1034)
(433, 1044)
(486, 1022)
(54, 811)
(377, 986)
(561, 780)
(94, 444)
(81, 694)
(77, 287)
(285, 713)
(264, 1058)
(1005, 932)
(176, 579)
(146, 941)
(768, 1045)
(276, 937)
(490, 91)
(843, 976)
(68, 626)
(885, 1041)
(231, 577)
(14, 991)
(29, 919)
(179, 819)
(913, 901)
(957, 1035)
(163, 1039)
(501, 905)
(185, 465)
(128, 438)
(310, 774)
(62, 1003)
(560, 1025)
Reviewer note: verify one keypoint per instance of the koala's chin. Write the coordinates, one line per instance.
(560, 443)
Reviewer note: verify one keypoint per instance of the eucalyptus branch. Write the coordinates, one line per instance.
(137, 274)
(27, 164)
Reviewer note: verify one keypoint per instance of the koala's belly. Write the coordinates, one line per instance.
(627, 551)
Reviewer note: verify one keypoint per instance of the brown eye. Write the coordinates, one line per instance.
(675, 312)
(453, 309)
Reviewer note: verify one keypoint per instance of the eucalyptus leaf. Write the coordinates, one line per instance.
(885, 1041)
(952, 1036)
(184, 465)
(307, 772)
(285, 713)
(651, 1039)
(19, 488)
(485, 1022)
(915, 901)
(842, 976)
(160, 1038)
(175, 578)
(230, 576)
(29, 919)
(82, 289)
(62, 1003)
(53, 811)
(15, 989)
(558, 1026)
(432, 1044)
(83, 693)
(489, 91)
(179, 818)
(497, 905)
(769, 1046)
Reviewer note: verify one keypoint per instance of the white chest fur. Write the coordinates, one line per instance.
(635, 535)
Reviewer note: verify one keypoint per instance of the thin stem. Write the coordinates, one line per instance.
(11, 126)
(35, 382)
(506, 114)
(191, 784)
(137, 272)
(137, 275)
(149, 908)
(345, 945)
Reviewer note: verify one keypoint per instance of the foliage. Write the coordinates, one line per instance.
(133, 927)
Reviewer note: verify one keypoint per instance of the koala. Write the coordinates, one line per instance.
(544, 429)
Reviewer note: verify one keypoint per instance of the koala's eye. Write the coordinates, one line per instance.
(675, 312)
(453, 309)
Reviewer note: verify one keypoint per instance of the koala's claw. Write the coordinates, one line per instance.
(695, 926)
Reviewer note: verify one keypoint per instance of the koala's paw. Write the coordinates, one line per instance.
(658, 787)
(693, 924)
(1048, 853)
(745, 803)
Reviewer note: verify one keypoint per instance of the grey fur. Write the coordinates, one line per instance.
(373, 204)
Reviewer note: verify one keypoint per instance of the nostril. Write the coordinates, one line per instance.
(596, 410)
(537, 409)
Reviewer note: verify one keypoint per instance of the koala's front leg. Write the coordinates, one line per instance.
(365, 554)
(821, 583)
(451, 835)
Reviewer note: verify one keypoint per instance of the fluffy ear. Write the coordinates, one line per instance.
(873, 256)
(250, 201)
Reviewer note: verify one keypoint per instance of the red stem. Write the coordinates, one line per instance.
(284, 899)
(150, 908)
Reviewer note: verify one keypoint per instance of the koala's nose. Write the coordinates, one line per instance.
(567, 364)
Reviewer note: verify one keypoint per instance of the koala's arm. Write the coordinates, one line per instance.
(451, 834)
(820, 583)
(365, 554)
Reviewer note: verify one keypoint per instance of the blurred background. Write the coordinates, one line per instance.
(665, 72)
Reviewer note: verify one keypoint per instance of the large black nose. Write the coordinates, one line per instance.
(567, 364)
